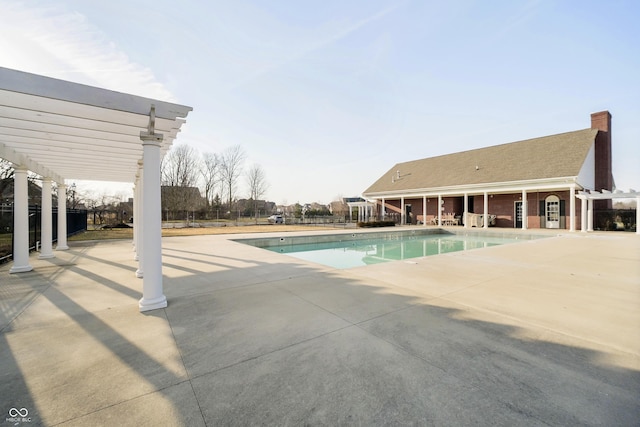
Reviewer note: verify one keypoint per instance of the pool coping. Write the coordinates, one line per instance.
(287, 240)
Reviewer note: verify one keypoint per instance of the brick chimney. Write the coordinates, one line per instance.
(603, 172)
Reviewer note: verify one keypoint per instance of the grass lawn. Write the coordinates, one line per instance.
(127, 233)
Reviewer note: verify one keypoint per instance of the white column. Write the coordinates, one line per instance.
(637, 215)
(140, 223)
(384, 210)
(152, 293)
(525, 209)
(572, 208)
(134, 214)
(485, 217)
(583, 215)
(439, 211)
(46, 220)
(402, 212)
(466, 209)
(590, 215)
(424, 211)
(20, 221)
(62, 218)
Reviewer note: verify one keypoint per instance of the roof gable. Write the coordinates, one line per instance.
(547, 157)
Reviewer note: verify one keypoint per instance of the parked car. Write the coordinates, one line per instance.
(276, 219)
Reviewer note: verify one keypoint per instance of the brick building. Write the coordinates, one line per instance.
(524, 184)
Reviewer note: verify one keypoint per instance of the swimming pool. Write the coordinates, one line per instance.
(359, 249)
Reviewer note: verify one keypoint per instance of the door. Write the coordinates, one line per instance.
(408, 219)
(518, 215)
(552, 212)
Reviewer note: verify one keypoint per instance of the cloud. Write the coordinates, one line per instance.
(55, 42)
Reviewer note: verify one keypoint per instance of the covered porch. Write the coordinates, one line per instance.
(523, 205)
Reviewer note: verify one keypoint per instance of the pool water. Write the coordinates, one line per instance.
(354, 253)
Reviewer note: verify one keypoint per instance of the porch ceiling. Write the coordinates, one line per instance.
(65, 130)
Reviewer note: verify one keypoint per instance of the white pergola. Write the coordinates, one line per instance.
(587, 198)
(365, 210)
(67, 131)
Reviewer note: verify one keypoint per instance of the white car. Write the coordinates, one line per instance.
(276, 219)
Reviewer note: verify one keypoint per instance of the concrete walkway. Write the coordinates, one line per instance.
(543, 332)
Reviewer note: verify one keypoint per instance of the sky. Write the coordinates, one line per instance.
(327, 96)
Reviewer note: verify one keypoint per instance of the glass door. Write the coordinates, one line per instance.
(552, 212)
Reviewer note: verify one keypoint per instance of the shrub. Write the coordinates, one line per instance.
(373, 224)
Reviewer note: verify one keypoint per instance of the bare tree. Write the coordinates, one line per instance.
(231, 163)
(6, 174)
(102, 206)
(210, 172)
(257, 183)
(180, 169)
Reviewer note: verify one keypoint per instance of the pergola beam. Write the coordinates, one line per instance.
(19, 159)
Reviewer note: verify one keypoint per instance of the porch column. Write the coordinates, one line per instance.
(46, 220)
(524, 209)
(20, 221)
(424, 211)
(590, 215)
(583, 215)
(485, 217)
(572, 208)
(152, 293)
(62, 218)
(402, 212)
(439, 210)
(140, 223)
(466, 209)
(384, 210)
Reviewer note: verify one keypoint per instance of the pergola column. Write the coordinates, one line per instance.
(590, 215)
(152, 292)
(135, 218)
(20, 221)
(637, 215)
(62, 217)
(46, 234)
(525, 209)
(140, 224)
(583, 215)
(485, 217)
(572, 208)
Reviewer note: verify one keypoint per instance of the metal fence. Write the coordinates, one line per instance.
(76, 222)
(615, 220)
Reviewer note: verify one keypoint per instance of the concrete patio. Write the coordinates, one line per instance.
(543, 332)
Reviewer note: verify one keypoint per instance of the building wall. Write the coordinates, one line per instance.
(501, 205)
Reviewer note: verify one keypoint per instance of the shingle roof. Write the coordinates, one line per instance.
(554, 156)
